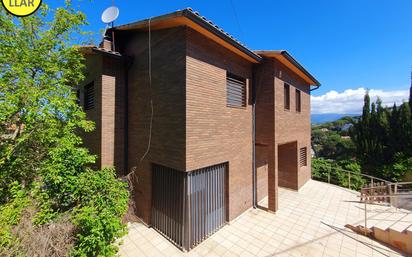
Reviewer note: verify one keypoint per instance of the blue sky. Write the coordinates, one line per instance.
(346, 44)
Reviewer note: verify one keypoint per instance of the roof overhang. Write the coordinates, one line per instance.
(286, 59)
(193, 20)
(93, 50)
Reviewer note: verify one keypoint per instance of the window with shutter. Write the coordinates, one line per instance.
(236, 91)
(298, 101)
(89, 96)
(286, 96)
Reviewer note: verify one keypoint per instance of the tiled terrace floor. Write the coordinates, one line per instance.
(308, 223)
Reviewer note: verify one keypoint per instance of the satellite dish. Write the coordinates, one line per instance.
(110, 14)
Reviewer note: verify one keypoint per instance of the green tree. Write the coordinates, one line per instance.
(410, 94)
(37, 105)
(360, 131)
(405, 123)
(40, 149)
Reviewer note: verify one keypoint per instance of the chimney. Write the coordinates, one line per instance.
(106, 44)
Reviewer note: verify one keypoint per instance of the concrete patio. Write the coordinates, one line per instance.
(308, 223)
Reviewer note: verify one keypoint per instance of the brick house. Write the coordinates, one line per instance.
(204, 127)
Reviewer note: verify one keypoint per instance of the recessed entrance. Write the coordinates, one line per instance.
(288, 165)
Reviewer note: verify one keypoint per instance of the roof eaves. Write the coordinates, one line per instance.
(145, 21)
(291, 60)
(299, 66)
(199, 20)
(90, 49)
(210, 26)
(107, 52)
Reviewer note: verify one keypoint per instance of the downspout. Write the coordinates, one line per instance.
(254, 177)
(128, 64)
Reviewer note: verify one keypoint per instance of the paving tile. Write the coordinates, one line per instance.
(295, 230)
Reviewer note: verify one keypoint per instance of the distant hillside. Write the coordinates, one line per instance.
(328, 117)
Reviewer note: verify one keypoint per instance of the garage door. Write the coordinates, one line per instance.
(188, 207)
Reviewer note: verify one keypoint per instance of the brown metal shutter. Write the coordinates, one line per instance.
(168, 202)
(207, 202)
(236, 91)
(188, 207)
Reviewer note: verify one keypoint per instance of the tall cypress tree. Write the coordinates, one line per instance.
(360, 131)
(366, 107)
(405, 128)
(382, 129)
(410, 94)
(394, 130)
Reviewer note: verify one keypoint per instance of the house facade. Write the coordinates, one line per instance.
(202, 126)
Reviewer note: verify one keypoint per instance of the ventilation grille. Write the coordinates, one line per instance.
(303, 157)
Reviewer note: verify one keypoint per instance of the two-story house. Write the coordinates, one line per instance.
(203, 126)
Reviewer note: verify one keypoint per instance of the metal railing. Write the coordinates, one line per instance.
(369, 199)
(346, 178)
(400, 193)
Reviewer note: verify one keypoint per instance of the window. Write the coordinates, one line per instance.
(286, 95)
(235, 91)
(303, 157)
(89, 96)
(298, 101)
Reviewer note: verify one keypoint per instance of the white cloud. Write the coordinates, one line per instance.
(350, 101)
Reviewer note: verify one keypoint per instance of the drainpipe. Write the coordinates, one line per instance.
(127, 65)
(254, 177)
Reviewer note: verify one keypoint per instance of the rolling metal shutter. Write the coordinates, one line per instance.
(168, 202)
(207, 202)
(236, 91)
(188, 207)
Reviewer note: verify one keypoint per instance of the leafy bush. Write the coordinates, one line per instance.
(397, 170)
(10, 215)
(337, 172)
(102, 203)
(96, 199)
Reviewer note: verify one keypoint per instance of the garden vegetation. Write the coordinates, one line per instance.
(377, 143)
(52, 202)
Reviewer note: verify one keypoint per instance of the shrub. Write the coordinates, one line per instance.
(397, 170)
(95, 199)
(10, 215)
(103, 201)
(337, 172)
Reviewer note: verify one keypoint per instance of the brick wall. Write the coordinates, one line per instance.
(92, 140)
(192, 127)
(107, 140)
(275, 127)
(216, 133)
(167, 146)
(292, 126)
(113, 113)
(265, 133)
